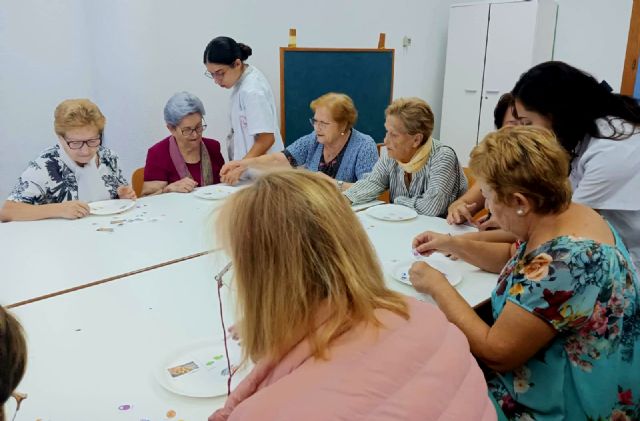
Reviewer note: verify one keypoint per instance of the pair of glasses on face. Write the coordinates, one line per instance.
(321, 124)
(189, 131)
(78, 144)
(217, 75)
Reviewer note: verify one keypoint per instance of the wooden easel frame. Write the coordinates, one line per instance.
(632, 57)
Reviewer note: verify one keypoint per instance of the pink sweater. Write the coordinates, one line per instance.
(420, 369)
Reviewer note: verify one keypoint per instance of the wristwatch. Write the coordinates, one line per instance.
(340, 184)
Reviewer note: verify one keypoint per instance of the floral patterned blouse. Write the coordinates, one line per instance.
(589, 292)
(48, 179)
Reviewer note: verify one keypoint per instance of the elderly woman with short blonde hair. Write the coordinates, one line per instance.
(77, 170)
(419, 171)
(334, 148)
(565, 343)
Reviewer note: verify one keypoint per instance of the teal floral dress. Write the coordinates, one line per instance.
(589, 292)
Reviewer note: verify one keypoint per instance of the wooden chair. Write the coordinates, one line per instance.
(137, 180)
(384, 196)
(470, 179)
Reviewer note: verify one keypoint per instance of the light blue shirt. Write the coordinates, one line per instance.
(359, 156)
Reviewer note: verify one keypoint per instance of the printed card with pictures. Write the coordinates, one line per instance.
(183, 369)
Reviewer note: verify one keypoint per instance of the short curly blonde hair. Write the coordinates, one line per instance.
(415, 114)
(75, 113)
(525, 160)
(340, 107)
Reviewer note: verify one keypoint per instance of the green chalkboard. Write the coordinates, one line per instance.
(366, 75)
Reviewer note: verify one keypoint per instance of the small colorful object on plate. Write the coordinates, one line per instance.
(196, 369)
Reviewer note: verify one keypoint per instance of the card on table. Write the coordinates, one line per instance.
(183, 369)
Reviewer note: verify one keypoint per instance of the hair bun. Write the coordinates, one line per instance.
(245, 51)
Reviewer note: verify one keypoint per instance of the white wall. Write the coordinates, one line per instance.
(592, 35)
(130, 56)
(42, 62)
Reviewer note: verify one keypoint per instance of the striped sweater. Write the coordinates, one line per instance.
(432, 189)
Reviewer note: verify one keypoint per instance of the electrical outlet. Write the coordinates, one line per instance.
(406, 41)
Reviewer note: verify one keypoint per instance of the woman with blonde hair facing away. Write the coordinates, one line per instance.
(565, 343)
(65, 177)
(13, 359)
(334, 148)
(329, 340)
(419, 171)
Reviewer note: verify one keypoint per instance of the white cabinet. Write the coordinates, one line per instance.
(489, 46)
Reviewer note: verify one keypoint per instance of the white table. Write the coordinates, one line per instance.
(392, 241)
(95, 349)
(44, 257)
(92, 350)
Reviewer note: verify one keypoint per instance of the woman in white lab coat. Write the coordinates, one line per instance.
(254, 123)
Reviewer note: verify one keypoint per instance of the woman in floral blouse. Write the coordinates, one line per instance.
(565, 343)
(65, 177)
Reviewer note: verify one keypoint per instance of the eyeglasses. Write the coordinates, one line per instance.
(218, 74)
(319, 123)
(78, 144)
(188, 131)
(218, 279)
(19, 397)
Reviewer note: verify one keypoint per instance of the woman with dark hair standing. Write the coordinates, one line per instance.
(254, 123)
(600, 130)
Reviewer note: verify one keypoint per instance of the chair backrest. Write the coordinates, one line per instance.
(382, 151)
(137, 180)
(470, 179)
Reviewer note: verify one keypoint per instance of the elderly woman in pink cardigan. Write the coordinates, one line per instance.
(329, 340)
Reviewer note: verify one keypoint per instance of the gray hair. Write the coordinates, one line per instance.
(181, 105)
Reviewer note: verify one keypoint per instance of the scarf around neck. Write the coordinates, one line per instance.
(419, 159)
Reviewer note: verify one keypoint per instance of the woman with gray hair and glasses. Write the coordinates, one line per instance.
(185, 159)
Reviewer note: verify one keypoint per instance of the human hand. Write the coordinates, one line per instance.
(425, 278)
(126, 192)
(185, 185)
(429, 242)
(231, 177)
(233, 166)
(460, 212)
(73, 209)
(487, 223)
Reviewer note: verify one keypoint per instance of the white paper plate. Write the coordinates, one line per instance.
(111, 207)
(400, 271)
(215, 192)
(209, 379)
(392, 212)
